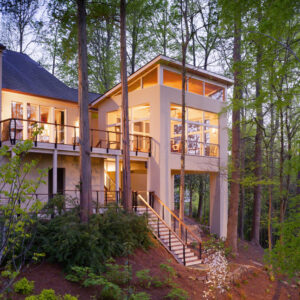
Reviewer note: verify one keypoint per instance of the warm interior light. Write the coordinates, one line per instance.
(77, 123)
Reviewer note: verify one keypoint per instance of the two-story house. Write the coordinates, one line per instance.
(30, 95)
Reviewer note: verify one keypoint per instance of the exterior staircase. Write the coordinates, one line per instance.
(179, 248)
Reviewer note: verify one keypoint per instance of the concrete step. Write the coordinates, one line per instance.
(195, 262)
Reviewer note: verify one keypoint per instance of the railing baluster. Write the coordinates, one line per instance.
(200, 250)
(185, 235)
(75, 138)
(183, 254)
(92, 142)
(158, 227)
(170, 240)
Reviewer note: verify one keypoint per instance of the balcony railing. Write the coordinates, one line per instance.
(13, 130)
(193, 147)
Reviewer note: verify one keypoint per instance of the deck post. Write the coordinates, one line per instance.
(117, 175)
(54, 173)
(101, 182)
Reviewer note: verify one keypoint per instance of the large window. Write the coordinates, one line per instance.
(17, 126)
(202, 131)
(139, 125)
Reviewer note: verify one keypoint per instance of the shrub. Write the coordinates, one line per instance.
(140, 296)
(65, 240)
(118, 274)
(144, 278)
(49, 294)
(177, 294)
(111, 291)
(23, 286)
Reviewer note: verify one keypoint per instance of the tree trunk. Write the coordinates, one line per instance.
(237, 98)
(242, 193)
(85, 160)
(257, 154)
(191, 198)
(127, 200)
(200, 195)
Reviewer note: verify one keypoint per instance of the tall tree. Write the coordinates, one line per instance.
(20, 15)
(258, 137)
(236, 103)
(127, 200)
(85, 159)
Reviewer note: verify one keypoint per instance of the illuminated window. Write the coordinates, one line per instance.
(202, 133)
(45, 118)
(195, 86)
(17, 110)
(141, 112)
(176, 111)
(150, 79)
(195, 115)
(172, 79)
(32, 115)
(214, 91)
(211, 119)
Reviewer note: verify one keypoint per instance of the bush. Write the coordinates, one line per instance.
(140, 296)
(177, 294)
(23, 286)
(65, 240)
(50, 295)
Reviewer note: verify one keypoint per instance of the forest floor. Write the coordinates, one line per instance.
(254, 283)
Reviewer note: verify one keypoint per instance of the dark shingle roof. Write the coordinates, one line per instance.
(21, 73)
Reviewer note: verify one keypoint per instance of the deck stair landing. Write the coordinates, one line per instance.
(167, 236)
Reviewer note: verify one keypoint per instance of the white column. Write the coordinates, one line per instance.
(218, 204)
(101, 182)
(117, 168)
(54, 172)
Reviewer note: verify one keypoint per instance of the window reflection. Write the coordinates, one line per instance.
(202, 133)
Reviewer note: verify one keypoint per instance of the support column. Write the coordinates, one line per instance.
(101, 182)
(54, 173)
(218, 204)
(117, 172)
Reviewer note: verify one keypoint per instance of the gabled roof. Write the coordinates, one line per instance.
(164, 60)
(23, 74)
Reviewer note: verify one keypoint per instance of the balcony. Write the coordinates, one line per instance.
(193, 147)
(13, 130)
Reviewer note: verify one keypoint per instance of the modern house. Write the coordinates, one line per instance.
(30, 95)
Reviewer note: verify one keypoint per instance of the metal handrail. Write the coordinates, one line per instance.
(106, 132)
(199, 240)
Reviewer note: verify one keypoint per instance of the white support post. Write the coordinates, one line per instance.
(54, 173)
(117, 173)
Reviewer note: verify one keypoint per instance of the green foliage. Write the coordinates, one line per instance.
(49, 294)
(111, 291)
(285, 256)
(65, 240)
(23, 286)
(144, 278)
(140, 296)
(215, 244)
(19, 209)
(171, 273)
(177, 294)
(118, 274)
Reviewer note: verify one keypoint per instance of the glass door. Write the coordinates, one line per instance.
(60, 128)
